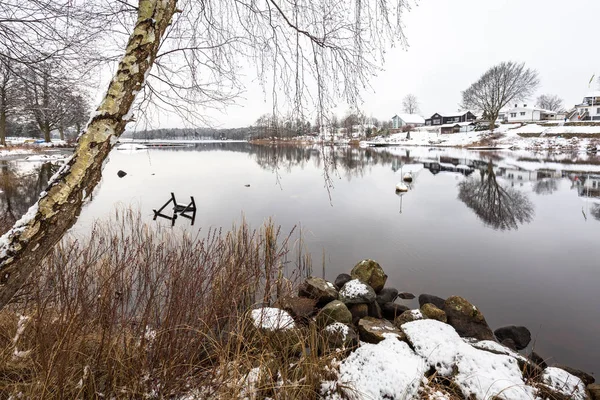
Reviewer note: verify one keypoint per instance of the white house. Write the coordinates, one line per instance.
(528, 114)
(400, 120)
(589, 109)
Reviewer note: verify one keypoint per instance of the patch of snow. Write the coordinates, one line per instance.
(497, 348)
(387, 370)
(338, 327)
(132, 146)
(272, 319)
(354, 288)
(475, 372)
(564, 383)
(46, 157)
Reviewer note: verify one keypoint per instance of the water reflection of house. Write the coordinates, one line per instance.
(435, 167)
(590, 186)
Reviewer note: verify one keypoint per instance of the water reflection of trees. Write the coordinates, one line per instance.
(497, 206)
(545, 186)
(595, 211)
(20, 189)
(344, 161)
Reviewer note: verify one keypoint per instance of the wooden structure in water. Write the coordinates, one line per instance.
(186, 211)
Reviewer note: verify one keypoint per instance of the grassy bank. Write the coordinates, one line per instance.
(136, 312)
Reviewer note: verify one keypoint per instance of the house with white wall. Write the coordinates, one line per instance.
(400, 120)
(524, 113)
(589, 109)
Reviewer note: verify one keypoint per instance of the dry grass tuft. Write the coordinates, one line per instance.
(136, 312)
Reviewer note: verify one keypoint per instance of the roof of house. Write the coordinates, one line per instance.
(533, 109)
(410, 118)
(454, 113)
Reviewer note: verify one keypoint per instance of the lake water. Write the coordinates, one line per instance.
(515, 233)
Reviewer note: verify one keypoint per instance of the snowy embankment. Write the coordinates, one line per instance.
(383, 350)
(578, 138)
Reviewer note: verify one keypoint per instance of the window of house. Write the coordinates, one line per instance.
(427, 122)
(513, 115)
(522, 114)
(436, 121)
(598, 111)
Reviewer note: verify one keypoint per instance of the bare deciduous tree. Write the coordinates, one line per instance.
(501, 84)
(410, 104)
(311, 51)
(550, 102)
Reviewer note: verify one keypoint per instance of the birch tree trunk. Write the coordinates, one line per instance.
(24, 247)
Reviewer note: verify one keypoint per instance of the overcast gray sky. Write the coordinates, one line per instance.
(452, 42)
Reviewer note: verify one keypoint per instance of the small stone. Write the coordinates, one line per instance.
(406, 296)
(357, 292)
(335, 311)
(338, 335)
(429, 298)
(390, 311)
(372, 330)
(341, 280)
(358, 311)
(299, 307)
(519, 334)
(387, 295)
(594, 390)
(375, 310)
(371, 273)
(584, 376)
(121, 174)
(432, 312)
(408, 316)
(466, 319)
(318, 289)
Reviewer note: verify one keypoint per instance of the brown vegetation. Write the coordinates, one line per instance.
(139, 312)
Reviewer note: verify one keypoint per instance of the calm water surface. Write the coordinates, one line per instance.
(517, 234)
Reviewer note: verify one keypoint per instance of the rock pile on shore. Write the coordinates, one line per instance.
(443, 350)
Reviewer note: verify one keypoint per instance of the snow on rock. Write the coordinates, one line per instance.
(494, 347)
(475, 372)
(272, 319)
(354, 288)
(561, 381)
(387, 370)
(338, 327)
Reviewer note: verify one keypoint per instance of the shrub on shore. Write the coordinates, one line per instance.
(139, 312)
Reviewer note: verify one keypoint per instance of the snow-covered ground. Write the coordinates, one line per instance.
(505, 136)
(392, 369)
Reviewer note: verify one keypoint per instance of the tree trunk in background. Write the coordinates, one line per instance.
(2, 125)
(46, 132)
(61, 131)
(24, 247)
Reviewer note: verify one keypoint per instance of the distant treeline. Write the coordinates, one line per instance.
(245, 133)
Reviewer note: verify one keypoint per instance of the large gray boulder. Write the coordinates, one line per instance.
(408, 316)
(387, 295)
(357, 292)
(520, 335)
(466, 319)
(335, 311)
(371, 273)
(318, 289)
